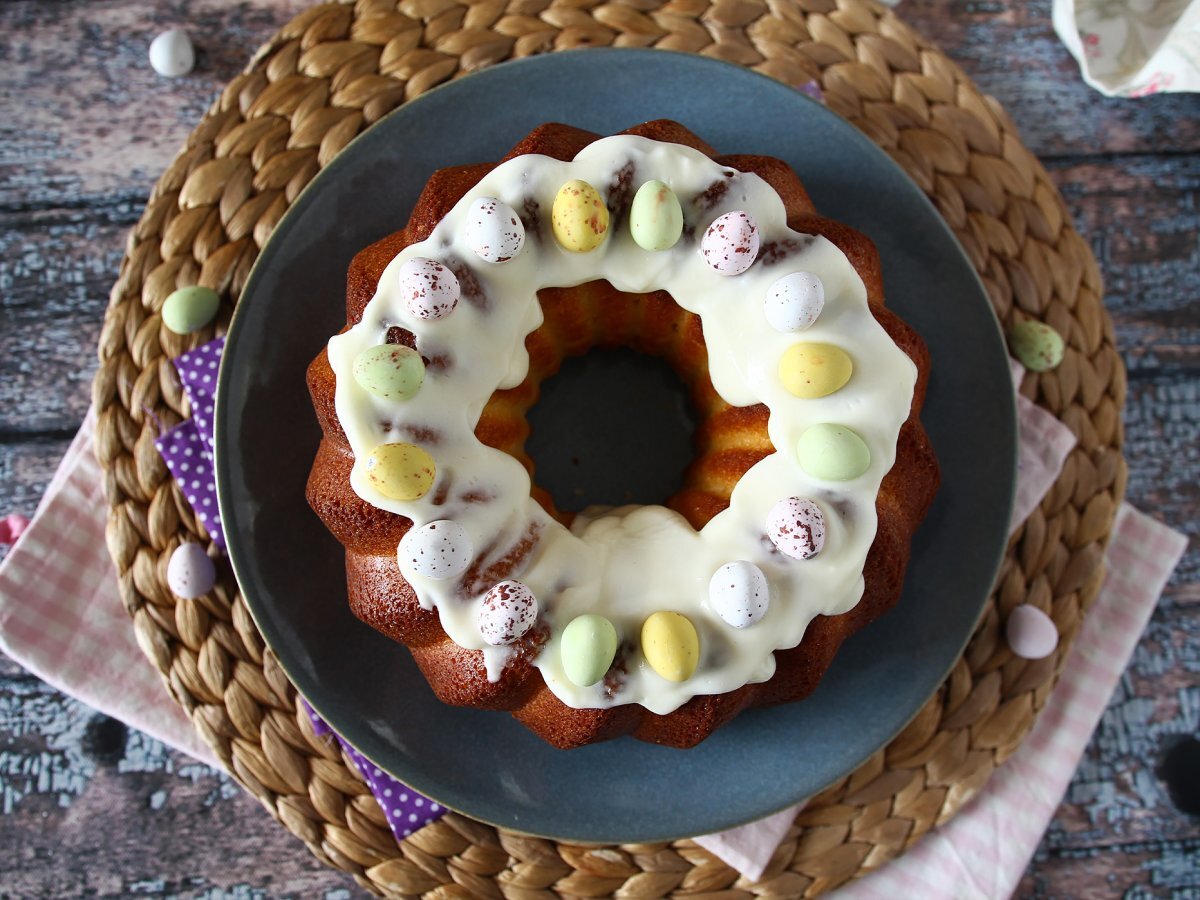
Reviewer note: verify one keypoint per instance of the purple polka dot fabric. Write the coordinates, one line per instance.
(190, 463)
(198, 371)
(406, 810)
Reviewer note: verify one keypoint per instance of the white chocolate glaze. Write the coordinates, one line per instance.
(628, 563)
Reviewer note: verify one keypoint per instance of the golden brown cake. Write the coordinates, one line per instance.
(659, 623)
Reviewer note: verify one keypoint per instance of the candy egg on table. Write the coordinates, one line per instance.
(579, 218)
(401, 471)
(794, 302)
(1031, 634)
(1038, 346)
(190, 571)
(509, 610)
(738, 592)
(730, 245)
(588, 648)
(494, 230)
(833, 452)
(172, 53)
(440, 549)
(655, 217)
(671, 645)
(430, 290)
(189, 309)
(796, 527)
(813, 370)
(389, 371)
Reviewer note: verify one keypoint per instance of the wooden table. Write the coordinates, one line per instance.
(87, 806)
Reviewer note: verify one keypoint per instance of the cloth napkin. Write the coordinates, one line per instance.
(61, 617)
(1133, 48)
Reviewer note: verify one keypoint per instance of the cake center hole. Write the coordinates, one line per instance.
(613, 427)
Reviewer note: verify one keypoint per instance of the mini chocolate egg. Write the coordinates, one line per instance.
(389, 371)
(172, 53)
(189, 309)
(1031, 634)
(509, 610)
(671, 645)
(429, 289)
(796, 527)
(810, 371)
(589, 645)
(401, 471)
(1038, 346)
(833, 452)
(739, 594)
(730, 245)
(494, 230)
(440, 549)
(579, 218)
(190, 572)
(655, 217)
(794, 301)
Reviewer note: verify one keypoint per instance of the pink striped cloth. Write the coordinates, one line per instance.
(62, 618)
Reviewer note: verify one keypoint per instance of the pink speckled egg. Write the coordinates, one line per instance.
(1030, 632)
(796, 527)
(429, 289)
(190, 573)
(494, 230)
(509, 610)
(440, 550)
(730, 245)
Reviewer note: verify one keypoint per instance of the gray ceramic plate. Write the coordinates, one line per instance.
(483, 763)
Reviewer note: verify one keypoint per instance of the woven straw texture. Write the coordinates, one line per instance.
(339, 67)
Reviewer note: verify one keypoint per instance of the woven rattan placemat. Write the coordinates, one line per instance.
(337, 68)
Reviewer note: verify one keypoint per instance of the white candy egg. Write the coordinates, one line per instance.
(509, 610)
(796, 527)
(440, 550)
(190, 573)
(494, 230)
(172, 54)
(730, 245)
(739, 594)
(430, 290)
(1030, 632)
(794, 301)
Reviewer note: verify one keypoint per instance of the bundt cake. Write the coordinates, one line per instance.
(793, 526)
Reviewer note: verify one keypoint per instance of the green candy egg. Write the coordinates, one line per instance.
(655, 218)
(190, 308)
(390, 371)
(1038, 346)
(833, 453)
(589, 645)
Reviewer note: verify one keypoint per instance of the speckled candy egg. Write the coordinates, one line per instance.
(1031, 634)
(739, 594)
(730, 245)
(401, 471)
(833, 452)
(440, 550)
(589, 646)
(579, 218)
(508, 610)
(172, 53)
(190, 573)
(494, 230)
(655, 217)
(190, 308)
(389, 371)
(794, 301)
(1038, 346)
(813, 370)
(796, 527)
(430, 290)
(671, 645)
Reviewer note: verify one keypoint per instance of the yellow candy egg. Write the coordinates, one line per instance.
(401, 471)
(671, 645)
(814, 370)
(579, 217)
